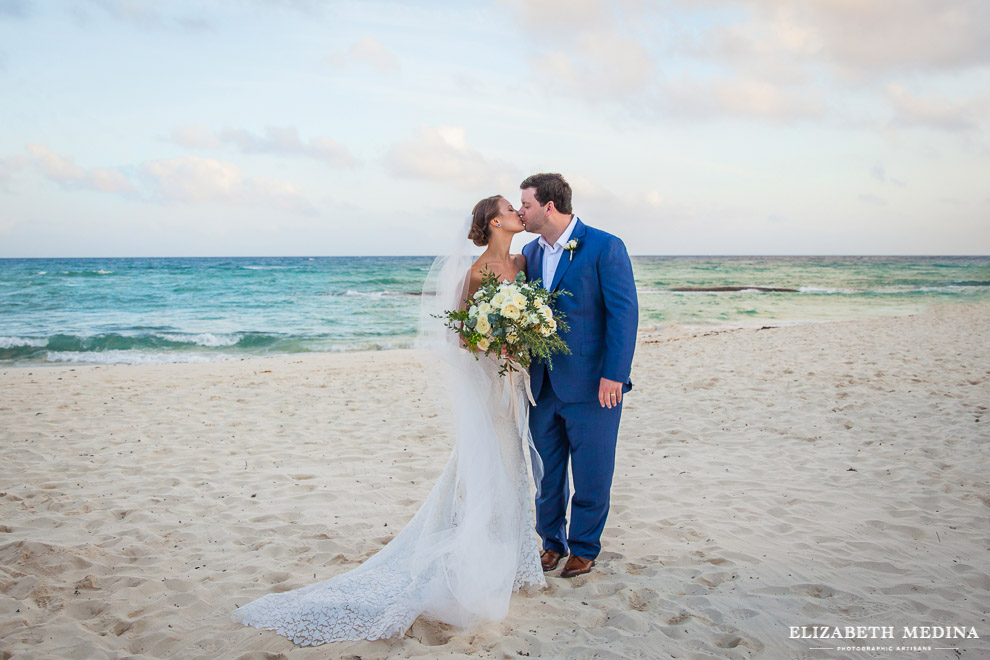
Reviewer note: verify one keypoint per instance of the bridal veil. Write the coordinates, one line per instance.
(471, 544)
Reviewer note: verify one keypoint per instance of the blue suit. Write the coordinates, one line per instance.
(568, 423)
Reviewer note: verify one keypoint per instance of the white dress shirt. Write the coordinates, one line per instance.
(552, 253)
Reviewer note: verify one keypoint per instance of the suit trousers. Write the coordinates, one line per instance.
(583, 434)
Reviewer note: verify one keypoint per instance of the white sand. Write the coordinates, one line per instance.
(829, 474)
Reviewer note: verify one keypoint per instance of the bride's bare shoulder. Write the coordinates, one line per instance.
(520, 262)
(474, 275)
(478, 268)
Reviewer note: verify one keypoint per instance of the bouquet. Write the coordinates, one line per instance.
(512, 320)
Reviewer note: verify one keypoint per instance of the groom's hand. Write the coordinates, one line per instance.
(609, 393)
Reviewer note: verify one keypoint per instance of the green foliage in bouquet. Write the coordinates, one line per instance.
(510, 320)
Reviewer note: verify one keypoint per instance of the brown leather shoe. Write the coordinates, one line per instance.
(549, 559)
(577, 566)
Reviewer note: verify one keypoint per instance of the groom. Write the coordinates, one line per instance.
(578, 402)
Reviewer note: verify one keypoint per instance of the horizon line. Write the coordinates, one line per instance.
(433, 256)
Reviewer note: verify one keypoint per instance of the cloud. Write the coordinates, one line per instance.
(186, 180)
(934, 112)
(142, 13)
(441, 153)
(868, 198)
(605, 59)
(558, 15)
(583, 48)
(283, 141)
(774, 49)
(602, 66)
(195, 136)
(879, 173)
(627, 213)
(857, 38)
(882, 35)
(15, 9)
(739, 97)
(194, 180)
(590, 194)
(768, 60)
(306, 7)
(368, 53)
(67, 174)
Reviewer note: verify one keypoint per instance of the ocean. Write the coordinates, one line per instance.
(151, 310)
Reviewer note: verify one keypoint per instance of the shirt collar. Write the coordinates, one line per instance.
(562, 239)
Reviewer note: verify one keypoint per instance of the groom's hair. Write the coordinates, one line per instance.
(550, 188)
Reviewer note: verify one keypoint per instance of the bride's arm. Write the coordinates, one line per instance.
(472, 282)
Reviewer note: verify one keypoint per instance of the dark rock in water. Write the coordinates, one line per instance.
(734, 288)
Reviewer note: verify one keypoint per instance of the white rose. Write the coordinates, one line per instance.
(483, 326)
(533, 319)
(498, 299)
(510, 311)
(478, 294)
(546, 331)
(483, 343)
(519, 300)
(547, 312)
(484, 308)
(472, 311)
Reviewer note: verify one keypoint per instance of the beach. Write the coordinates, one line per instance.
(809, 475)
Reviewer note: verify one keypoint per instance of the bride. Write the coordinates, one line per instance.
(472, 543)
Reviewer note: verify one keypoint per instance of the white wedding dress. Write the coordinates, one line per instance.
(473, 541)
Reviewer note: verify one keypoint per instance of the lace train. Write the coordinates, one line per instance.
(468, 548)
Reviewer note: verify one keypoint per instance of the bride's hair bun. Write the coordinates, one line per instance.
(483, 212)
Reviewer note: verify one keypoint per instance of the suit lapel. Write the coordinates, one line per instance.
(567, 257)
(535, 265)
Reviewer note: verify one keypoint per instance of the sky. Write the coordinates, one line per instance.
(305, 127)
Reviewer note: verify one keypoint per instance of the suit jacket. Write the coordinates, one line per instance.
(602, 312)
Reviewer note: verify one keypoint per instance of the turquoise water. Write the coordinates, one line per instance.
(825, 288)
(196, 309)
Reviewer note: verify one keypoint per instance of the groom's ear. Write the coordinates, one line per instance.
(550, 208)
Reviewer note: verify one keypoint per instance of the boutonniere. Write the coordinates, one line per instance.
(570, 246)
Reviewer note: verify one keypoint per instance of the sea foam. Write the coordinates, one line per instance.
(133, 357)
(14, 342)
(203, 339)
